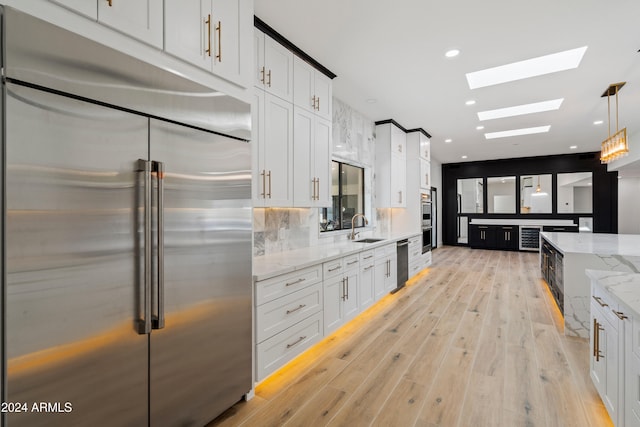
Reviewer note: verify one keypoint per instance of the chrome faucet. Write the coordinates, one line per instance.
(353, 225)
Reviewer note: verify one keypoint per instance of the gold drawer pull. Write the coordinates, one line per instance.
(335, 268)
(298, 341)
(599, 300)
(296, 282)
(301, 306)
(620, 315)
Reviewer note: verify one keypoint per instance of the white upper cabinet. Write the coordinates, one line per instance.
(140, 19)
(391, 166)
(273, 66)
(83, 7)
(425, 175)
(425, 147)
(272, 137)
(311, 89)
(211, 34)
(311, 159)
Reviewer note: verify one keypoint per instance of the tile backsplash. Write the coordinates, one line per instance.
(285, 229)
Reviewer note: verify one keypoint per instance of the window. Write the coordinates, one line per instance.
(347, 195)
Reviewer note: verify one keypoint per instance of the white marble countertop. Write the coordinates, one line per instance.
(595, 243)
(624, 287)
(267, 266)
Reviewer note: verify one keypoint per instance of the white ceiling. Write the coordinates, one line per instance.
(393, 52)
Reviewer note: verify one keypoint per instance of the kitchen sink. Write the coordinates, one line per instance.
(368, 240)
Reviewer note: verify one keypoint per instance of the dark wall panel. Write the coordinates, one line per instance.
(605, 188)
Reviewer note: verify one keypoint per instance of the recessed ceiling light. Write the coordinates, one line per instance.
(470, 102)
(573, 147)
(464, 157)
(519, 110)
(452, 53)
(447, 141)
(598, 122)
(541, 65)
(479, 127)
(589, 184)
(517, 132)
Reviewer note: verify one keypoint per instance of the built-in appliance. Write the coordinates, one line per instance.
(402, 248)
(530, 237)
(551, 265)
(126, 296)
(427, 239)
(426, 222)
(425, 206)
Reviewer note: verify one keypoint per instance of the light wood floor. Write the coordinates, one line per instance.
(475, 341)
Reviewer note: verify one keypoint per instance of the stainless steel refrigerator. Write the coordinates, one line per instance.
(126, 282)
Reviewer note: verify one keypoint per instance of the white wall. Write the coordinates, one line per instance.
(628, 206)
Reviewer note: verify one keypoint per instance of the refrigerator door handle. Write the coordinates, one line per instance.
(144, 324)
(158, 320)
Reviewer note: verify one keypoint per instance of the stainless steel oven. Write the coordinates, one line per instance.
(426, 239)
(425, 207)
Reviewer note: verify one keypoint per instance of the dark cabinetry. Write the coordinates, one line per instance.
(493, 237)
(551, 265)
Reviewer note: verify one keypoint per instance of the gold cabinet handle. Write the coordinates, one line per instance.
(110, 3)
(298, 341)
(620, 315)
(269, 175)
(318, 190)
(264, 184)
(313, 102)
(595, 338)
(318, 103)
(599, 300)
(262, 75)
(207, 22)
(301, 306)
(219, 31)
(269, 76)
(302, 279)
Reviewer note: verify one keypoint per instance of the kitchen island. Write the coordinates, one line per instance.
(571, 255)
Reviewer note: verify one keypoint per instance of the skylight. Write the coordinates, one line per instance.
(519, 110)
(517, 132)
(541, 65)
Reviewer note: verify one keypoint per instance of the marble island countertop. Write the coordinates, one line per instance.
(595, 243)
(623, 286)
(267, 266)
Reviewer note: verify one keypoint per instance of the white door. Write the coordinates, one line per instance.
(304, 181)
(366, 285)
(425, 172)
(278, 151)
(258, 188)
(226, 36)
(140, 19)
(350, 301)
(380, 277)
(258, 59)
(187, 26)
(278, 63)
(333, 311)
(303, 78)
(392, 279)
(322, 92)
(398, 181)
(322, 162)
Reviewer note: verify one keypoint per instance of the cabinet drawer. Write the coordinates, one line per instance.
(279, 349)
(415, 267)
(277, 315)
(416, 240)
(276, 287)
(386, 250)
(605, 303)
(332, 268)
(366, 257)
(351, 261)
(415, 251)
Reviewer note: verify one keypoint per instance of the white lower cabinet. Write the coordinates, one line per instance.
(615, 357)
(366, 291)
(288, 317)
(340, 291)
(385, 278)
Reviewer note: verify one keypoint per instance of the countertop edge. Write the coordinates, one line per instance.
(613, 289)
(284, 269)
